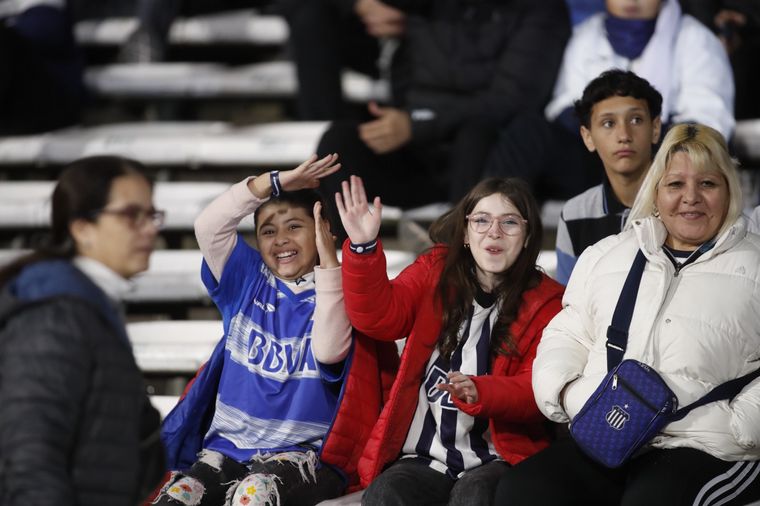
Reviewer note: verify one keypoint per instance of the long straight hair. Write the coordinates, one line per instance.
(83, 189)
(458, 282)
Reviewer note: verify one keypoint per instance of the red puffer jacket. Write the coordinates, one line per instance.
(386, 310)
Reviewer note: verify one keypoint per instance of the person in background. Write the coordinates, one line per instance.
(473, 307)
(472, 67)
(674, 52)
(329, 36)
(76, 426)
(41, 68)
(276, 414)
(619, 114)
(696, 320)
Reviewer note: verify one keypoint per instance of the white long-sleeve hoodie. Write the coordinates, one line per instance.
(698, 328)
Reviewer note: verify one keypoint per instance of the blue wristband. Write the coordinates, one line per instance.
(363, 248)
(274, 178)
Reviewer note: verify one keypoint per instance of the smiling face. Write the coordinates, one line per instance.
(286, 240)
(115, 239)
(494, 251)
(622, 131)
(692, 203)
(634, 9)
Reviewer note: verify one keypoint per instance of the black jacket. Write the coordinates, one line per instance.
(478, 59)
(76, 426)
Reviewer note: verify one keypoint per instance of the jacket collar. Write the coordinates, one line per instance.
(651, 234)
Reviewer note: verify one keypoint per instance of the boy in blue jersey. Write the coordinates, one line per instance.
(619, 114)
(262, 408)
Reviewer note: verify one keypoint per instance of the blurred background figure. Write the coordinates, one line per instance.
(469, 69)
(41, 67)
(327, 36)
(76, 425)
(677, 54)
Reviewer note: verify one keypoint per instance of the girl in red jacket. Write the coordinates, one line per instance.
(472, 308)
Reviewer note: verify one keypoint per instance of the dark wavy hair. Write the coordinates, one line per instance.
(83, 188)
(458, 282)
(304, 199)
(617, 83)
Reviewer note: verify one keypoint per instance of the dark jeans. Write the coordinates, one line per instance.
(41, 70)
(323, 41)
(413, 175)
(552, 159)
(563, 475)
(411, 482)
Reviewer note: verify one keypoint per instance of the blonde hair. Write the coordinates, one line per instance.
(707, 151)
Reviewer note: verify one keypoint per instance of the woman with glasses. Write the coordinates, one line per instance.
(76, 426)
(472, 309)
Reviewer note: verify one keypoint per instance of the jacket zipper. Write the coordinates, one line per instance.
(630, 390)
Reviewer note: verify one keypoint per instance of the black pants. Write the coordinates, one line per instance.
(41, 70)
(413, 483)
(552, 159)
(413, 175)
(563, 475)
(324, 41)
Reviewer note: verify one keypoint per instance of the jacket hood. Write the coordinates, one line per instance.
(50, 279)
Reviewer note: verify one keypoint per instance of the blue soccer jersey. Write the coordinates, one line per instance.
(272, 394)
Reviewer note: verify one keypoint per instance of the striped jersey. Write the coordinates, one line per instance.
(449, 440)
(585, 220)
(272, 395)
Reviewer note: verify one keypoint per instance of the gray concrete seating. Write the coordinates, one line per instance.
(174, 275)
(173, 346)
(276, 79)
(170, 144)
(26, 204)
(246, 26)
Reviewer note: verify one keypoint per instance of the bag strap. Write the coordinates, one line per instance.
(727, 390)
(617, 332)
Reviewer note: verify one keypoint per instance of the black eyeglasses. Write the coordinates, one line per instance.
(138, 216)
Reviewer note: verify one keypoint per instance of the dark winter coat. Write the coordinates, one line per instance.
(76, 427)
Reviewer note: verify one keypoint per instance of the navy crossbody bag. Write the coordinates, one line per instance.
(633, 403)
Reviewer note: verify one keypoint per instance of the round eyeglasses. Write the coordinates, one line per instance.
(138, 216)
(509, 224)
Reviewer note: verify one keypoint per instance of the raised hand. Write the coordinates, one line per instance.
(362, 222)
(460, 386)
(308, 174)
(328, 257)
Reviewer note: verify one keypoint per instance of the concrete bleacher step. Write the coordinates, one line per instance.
(245, 26)
(171, 144)
(26, 204)
(173, 346)
(276, 79)
(747, 142)
(174, 275)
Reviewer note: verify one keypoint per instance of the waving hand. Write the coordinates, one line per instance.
(362, 222)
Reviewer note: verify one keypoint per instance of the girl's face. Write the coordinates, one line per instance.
(124, 232)
(286, 240)
(496, 234)
(634, 9)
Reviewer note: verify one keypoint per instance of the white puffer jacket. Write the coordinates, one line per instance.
(683, 60)
(698, 328)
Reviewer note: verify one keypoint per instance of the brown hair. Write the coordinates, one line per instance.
(458, 282)
(83, 188)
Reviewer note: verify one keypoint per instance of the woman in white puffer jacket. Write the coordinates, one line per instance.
(696, 321)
